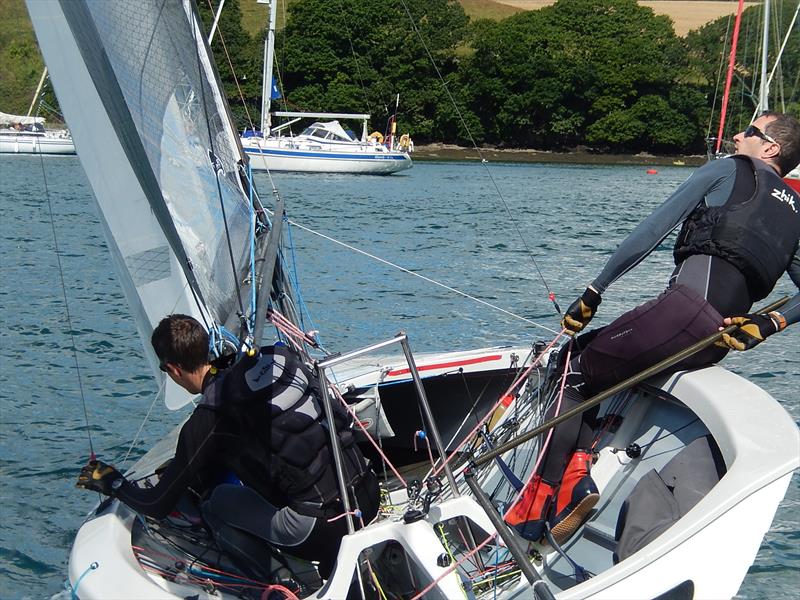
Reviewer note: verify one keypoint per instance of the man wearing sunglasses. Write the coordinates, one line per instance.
(739, 235)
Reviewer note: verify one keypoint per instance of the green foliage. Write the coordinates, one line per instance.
(233, 46)
(574, 72)
(608, 73)
(357, 55)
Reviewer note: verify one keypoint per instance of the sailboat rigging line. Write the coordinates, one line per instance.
(355, 57)
(423, 277)
(217, 166)
(719, 78)
(454, 566)
(360, 425)
(253, 299)
(144, 421)
(778, 58)
(497, 404)
(228, 58)
(66, 305)
(550, 294)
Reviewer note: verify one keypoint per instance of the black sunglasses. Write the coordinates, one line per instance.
(752, 130)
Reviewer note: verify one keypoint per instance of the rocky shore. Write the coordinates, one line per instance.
(459, 153)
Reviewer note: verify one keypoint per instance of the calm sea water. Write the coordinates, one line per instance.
(445, 221)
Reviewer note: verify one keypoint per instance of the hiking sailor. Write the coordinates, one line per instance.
(262, 421)
(739, 235)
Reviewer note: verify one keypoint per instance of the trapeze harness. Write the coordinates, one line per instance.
(273, 399)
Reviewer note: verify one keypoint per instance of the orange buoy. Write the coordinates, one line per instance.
(651, 171)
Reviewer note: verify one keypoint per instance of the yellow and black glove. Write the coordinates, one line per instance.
(100, 477)
(581, 311)
(753, 329)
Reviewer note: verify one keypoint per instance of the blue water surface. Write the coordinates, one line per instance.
(501, 233)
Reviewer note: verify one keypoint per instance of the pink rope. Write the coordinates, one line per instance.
(543, 451)
(502, 398)
(289, 328)
(356, 513)
(369, 437)
(289, 594)
(454, 566)
(427, 443)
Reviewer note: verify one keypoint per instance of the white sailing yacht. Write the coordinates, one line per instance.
(323, 146)
(27, 135)
(187, 233)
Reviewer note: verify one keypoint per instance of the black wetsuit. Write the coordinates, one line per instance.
(701, 291)
(217, 441)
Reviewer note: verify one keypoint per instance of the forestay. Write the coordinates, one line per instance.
(165, 170)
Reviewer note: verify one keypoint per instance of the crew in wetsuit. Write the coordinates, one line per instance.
(740, 234)
(262, 421)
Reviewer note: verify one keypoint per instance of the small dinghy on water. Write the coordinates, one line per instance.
(187, 232)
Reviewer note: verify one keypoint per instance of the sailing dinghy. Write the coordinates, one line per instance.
(188, 234)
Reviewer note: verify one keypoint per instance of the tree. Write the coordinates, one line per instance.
(233, 47)
(356, 55)
(574, 71)
(708, 51)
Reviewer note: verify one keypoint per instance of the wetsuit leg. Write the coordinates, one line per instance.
(245, 525)
(648, 334)
(577, 432)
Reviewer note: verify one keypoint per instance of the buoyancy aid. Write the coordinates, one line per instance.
(274, 398)
(756, 231)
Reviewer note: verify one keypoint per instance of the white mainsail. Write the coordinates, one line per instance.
(166, 171)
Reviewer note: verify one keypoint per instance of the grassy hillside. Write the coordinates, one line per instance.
(19, 55)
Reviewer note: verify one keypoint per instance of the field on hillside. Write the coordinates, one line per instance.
(685, 14)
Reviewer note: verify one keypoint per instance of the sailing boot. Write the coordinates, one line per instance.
(576, 497)
(529, 514)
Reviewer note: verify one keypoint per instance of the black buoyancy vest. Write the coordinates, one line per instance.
(756, 232)
(274, 397)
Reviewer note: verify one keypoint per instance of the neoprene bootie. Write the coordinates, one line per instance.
(576, 497)
(529, 514)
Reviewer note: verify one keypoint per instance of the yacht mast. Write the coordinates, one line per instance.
(38, 90)
(269, 48)
(763, 92)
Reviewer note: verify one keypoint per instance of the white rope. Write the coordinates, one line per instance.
(424, 278)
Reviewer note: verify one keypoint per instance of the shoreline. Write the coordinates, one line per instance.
(451, 152)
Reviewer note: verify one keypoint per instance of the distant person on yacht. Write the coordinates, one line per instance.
(741, 224)
(256, 451)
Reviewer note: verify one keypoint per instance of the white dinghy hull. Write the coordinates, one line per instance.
(707, 552)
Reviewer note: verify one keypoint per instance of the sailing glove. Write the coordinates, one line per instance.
(581, 311)
(99, 477)
(753, 329)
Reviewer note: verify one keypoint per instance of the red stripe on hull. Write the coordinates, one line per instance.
(448, 365)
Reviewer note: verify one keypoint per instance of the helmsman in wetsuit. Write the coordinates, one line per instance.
(262, 422)
(741, 224)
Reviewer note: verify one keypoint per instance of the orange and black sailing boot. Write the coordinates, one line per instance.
(529, 514)
(576, 497)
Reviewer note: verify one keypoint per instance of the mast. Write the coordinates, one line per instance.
(729, 78)
(38, 90)
(269, 48)
(763, 92)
